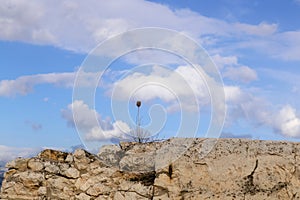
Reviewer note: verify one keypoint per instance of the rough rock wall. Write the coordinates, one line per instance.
(232, 169)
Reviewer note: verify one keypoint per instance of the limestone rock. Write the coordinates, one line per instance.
(51, 168)
(173, 169)
(19, 164)
(72, 173)
(53, 155)
(111, 155)
(35, 165)
(83, 196)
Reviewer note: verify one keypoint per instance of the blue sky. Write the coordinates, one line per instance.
(254, 44)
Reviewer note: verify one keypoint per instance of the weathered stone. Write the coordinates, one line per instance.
(81, 183)
(51, 168)
(31, 179)
(72, 173)
(69, 158)
(53, 155)
(83, 196)
(63, 167)
(82, 159)
(19, 164)
(35, 165)
(42, 191)
(173, 169)
(138, 162)
(98, 189)
(119, 196)
(111, 155)
(81, 153)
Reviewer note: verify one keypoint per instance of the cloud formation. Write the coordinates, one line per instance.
(287, 122)
(78, 26)
(181, 88)
(24, 85)
(224, 61)
(244, 105)
(243, 74)
(8, 153)
(89, 122)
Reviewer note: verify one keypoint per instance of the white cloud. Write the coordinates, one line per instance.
(283, 45)
(153, 56)
(8, 153)
(233, 70)
(118, 131)
(25, 84)
(233, 94)
(243, 105)
(223, 61)
(89, 122)
(243, 74)
(80, 26)
(287, 122)
(184, 84)
(262, 29)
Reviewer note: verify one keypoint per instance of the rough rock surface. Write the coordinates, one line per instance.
(173, 169)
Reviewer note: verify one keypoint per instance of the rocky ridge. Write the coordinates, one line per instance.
(173, 169)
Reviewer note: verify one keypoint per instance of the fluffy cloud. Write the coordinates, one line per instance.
(24, 84)
(287, 122)
(118, 130)
(243, 105)
(233, 70)
(184, 84)
(80, 26)
(233, 94)
(89, 122)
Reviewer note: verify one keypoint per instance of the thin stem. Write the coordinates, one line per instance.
(138, 124)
